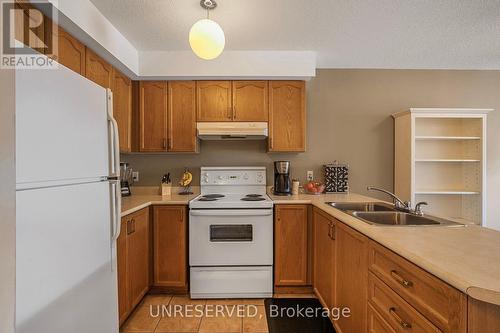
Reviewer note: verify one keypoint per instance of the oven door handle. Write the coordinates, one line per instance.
(236, 212)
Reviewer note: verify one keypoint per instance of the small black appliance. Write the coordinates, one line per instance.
(282, 180)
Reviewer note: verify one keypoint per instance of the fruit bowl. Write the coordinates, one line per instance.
(314, 188)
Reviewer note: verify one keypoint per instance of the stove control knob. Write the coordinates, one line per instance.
(205, 177)
(245, 176)
(260, 178)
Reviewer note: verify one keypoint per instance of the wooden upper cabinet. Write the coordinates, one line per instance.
(287, 118)
(250, 100)
(291, 245)
(122, 108)
(68, 51)
(98, 70)
(214, 101)
(153, 116)
(170, 247)
(181, 116)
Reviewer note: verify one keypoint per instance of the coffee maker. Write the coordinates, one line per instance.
(282, 181)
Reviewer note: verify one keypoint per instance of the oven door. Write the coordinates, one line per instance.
(230, 237)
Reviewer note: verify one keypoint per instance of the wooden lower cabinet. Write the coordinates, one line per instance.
(377, 324)
(400, 315)
(351, 278)
(324, 257)
(133, 256)
(170, 247)
(483, 317)
(440, 303)
(291, 245)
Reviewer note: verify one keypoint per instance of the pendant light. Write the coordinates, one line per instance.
(206, 37)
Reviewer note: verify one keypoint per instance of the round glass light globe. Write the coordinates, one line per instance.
(207, 39)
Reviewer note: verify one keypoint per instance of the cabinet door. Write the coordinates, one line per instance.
(124, 303)
(138, 255)
(122, 108)
(290, 245)
(97, 70)
(324, 256)
(250, 101)
(351, 277)
(182, 116)
(170, 233)
(214, 101)
(68, 51)
(287, 119)
(153, 115)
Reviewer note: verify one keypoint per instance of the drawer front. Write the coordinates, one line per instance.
(401, 316)
(443, 305)
(377, 324)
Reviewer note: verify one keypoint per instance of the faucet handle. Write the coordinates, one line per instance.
(418, 207)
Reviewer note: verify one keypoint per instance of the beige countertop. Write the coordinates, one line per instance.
(467, 258)
(144, 197)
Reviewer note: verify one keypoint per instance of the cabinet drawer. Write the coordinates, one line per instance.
(443, 305)
(401, 316)
(377, 324)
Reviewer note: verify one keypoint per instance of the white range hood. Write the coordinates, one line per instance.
(232, 130)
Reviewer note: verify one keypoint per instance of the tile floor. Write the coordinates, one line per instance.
(227, 321)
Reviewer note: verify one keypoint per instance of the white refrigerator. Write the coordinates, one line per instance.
(68, 204)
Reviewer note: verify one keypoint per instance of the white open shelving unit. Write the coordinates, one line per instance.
(440, 158)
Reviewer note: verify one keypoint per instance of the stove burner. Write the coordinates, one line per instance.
(253, 199)
(212, 196)
(207, 199)
(253, 195)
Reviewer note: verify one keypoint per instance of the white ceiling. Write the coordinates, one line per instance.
(459, 34)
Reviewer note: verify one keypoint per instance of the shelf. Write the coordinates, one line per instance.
(422, 137)
(446, 160)
(447, 192)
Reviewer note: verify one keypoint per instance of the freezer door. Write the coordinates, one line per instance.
(61, 127)
(66, 268)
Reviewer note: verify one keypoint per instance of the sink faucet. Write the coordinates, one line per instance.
(398, 203)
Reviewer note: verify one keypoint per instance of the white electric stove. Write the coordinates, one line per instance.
(231, 235)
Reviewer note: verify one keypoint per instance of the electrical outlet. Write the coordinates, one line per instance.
(135, 176)
(310, 175)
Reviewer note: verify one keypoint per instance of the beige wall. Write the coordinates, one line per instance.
(348, 113)
(7, 202)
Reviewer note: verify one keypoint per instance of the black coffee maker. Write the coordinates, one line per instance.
(282, 181)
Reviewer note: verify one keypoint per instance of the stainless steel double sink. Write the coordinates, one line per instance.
(379, 213)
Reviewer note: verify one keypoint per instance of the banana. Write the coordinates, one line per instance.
(187, 178)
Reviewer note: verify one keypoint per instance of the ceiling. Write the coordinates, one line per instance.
(456, 34)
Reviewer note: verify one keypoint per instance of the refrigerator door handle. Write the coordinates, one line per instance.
(115, 209)
(114, 140)
(115, 169)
